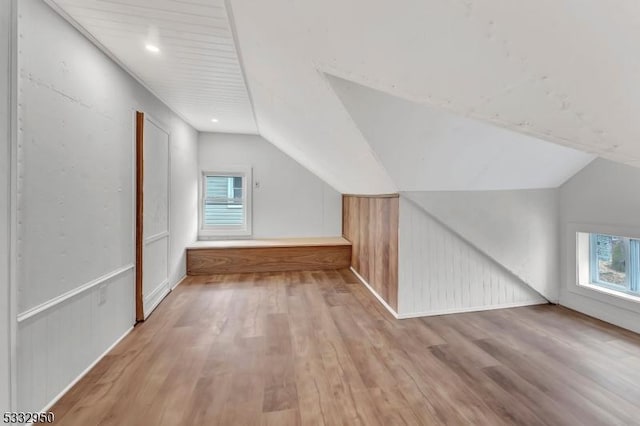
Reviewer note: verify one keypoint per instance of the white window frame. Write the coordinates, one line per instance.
(213, 232)
(593, 268)
(579, 277)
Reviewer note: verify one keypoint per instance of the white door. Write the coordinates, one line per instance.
(155, 263)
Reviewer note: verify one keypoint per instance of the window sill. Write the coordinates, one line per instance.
(210, 234)
(610, 292)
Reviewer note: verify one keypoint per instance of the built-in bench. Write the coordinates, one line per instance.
(268, 255)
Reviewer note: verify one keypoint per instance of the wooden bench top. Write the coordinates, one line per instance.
(264, 243)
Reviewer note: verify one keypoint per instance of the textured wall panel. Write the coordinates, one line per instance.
(5, 177)
(75, 203)
(74, 167)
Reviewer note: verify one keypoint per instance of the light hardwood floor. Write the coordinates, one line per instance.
(316, 348)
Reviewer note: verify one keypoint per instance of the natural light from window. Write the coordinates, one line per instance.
(225, 207)
(609, 262)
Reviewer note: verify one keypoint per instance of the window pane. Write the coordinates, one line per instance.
(611, 257)
(237, 187)
(223, 204)
(218, 186)
(634, 266)
(610, 262)
(223, 214)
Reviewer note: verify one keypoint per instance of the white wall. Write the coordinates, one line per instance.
(76, 201)
(5, 177)
(424, 148)
(518, 229)
(290, 200)
(183, 142)
(601, 198)
(440, 272)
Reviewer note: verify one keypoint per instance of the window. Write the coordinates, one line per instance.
(226, 209)
(613, 262)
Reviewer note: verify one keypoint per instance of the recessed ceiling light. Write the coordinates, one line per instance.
(152, 48)
(214, 120)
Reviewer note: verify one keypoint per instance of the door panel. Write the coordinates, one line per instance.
(156, 180)
(152, 280)
(155, 282)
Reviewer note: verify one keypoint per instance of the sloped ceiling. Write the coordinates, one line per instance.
(424, 148)
(559, 70)
(196, 72)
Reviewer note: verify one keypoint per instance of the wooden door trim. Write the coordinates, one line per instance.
(139, 213)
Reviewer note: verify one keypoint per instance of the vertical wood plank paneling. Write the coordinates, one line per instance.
(371, 224)
(54, 347)
(364, 234)
(442, 273)
(376, 268)
(393, 205)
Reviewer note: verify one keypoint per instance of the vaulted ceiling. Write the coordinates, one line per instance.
(424, 148)
(559, 71)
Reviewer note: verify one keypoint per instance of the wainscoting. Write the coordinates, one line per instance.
(61, 339)
(442, 273)
(371, 224)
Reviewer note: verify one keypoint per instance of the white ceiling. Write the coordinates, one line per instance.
(197, 71)
(429, 149)
(560, 70)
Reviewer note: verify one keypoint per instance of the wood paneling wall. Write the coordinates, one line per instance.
(371, 224)
(267, 259)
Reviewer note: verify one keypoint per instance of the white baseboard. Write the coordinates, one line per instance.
(84, 373)
(153, 300)
(443, 311)
(603, 311)
(180, 281)
(380, 299)
(470, 309)
(165, 290)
